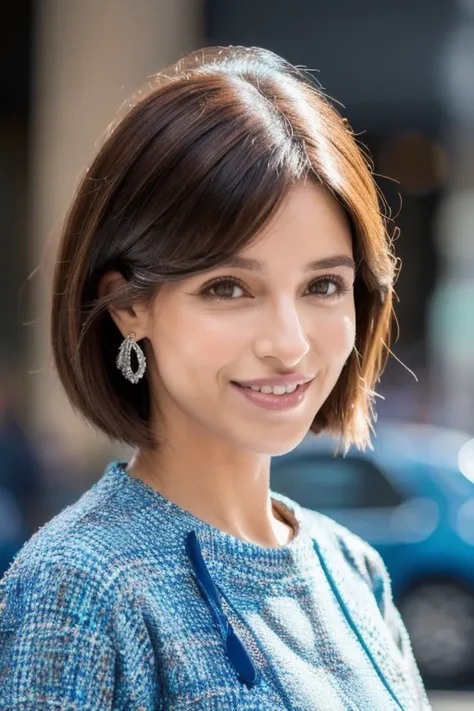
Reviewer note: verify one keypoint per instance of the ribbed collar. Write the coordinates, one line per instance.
(221, 549)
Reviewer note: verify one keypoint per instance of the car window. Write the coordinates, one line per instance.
(326, 482)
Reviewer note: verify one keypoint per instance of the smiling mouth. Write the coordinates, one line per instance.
(276, 397)
(272, 389)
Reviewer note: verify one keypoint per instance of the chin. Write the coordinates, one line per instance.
(278, 443)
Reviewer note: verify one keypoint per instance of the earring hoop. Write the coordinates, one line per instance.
(124, 359)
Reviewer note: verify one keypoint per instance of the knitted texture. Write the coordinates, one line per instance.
(101, 610)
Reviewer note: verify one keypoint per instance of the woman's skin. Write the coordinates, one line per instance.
(285, 318)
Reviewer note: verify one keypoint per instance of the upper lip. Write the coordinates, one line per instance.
(290, 379)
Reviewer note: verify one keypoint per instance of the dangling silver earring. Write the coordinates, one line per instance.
(124, 359)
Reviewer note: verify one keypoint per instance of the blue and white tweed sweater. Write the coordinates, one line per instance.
(126, 602)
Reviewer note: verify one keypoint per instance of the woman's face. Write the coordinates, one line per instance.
(283, 311)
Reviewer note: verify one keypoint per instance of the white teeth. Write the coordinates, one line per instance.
(278, 389)
(274, 389)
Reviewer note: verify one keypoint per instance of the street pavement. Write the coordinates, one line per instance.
(452, 701)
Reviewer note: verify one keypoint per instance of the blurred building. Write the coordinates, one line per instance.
(67, 67)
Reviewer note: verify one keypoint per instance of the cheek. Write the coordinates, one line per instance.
(349, 329)
(195, 342)
(336, 337)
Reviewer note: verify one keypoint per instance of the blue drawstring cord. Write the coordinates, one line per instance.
(235, 648)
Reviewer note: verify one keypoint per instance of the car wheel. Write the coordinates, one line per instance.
(439, 617)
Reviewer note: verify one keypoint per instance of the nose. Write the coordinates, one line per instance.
(282, 336)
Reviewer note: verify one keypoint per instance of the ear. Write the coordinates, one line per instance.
(131, 318)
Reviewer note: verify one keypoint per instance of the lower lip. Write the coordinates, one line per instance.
(274, 402)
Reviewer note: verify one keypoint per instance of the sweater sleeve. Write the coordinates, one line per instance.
(369, 565)
(381, 587)
(55, 652)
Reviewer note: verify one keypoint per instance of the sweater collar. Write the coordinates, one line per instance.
(221, 549)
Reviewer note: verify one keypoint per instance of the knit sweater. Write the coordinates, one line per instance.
(127, 602)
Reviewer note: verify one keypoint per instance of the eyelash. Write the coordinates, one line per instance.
(340, 283)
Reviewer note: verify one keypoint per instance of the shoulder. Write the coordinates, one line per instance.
(362, 559)
(337, 540)
(87, 541)
(58, 604)
(78, 571)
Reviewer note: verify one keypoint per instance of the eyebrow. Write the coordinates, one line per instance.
(253, 265)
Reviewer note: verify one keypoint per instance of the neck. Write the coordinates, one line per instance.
(227, 489)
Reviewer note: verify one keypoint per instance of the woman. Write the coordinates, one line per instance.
(223, 286)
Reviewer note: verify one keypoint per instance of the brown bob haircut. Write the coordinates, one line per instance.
(197, 165)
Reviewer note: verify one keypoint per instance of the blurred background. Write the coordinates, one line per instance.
(403, 73)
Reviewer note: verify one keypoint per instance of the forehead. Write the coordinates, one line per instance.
(310, 221)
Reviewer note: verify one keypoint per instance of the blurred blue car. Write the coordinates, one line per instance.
(409, 499)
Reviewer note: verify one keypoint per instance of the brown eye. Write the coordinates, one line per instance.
(325, 287)
(225, 289)
(328, 287)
